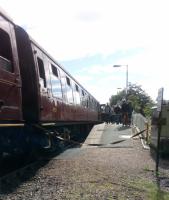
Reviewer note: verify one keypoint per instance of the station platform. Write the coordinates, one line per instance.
(108, 163)
(108, 135)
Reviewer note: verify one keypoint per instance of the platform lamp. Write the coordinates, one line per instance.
(118, 89)
(126, 76)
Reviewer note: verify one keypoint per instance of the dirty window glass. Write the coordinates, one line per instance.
(41, 72)
(69, 91)
(5, 52)
(56, 84)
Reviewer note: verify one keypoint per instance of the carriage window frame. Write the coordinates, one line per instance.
(83, 94)
(41, 68)
(68, 81)
(6, 56)
(56, 73)
(69, 91)
(77, 94)
(77, 88)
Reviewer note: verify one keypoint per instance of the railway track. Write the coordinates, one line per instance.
(15, 173)
(15, 169)
(16, 165)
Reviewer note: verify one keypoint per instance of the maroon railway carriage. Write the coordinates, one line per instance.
(37, 96)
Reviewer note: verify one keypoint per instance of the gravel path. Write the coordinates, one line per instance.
(92, 173)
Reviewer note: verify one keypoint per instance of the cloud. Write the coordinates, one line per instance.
(89, 16)
(89, 36)
(107, 28)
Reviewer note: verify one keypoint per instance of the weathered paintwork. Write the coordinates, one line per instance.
(59, 109)
(37, 96)
(10, 83)
(31, 91)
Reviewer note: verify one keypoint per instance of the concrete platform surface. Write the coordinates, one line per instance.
(107, 135)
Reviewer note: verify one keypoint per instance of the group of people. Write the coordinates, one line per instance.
(120, 113)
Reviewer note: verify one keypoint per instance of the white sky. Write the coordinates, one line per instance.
(82, 29)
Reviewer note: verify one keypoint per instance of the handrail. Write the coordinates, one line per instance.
(140, 123)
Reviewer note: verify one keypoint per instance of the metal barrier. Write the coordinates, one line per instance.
(140, 123)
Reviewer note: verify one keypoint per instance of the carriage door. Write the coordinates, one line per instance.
(44, 86)
(10, 85)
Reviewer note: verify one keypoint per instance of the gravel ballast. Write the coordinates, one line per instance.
(106, 172)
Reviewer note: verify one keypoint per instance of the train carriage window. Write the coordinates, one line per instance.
(92, 106)
(77, 95)
(77, 88)
(41, 72)
(69, 91)
(68, 81)
(54, 70)
(83, 98)
(89, 102)
(86, 100)
(5, 51)
(83, 93)
(56, 84)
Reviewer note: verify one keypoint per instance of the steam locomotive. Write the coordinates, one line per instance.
(39, 99)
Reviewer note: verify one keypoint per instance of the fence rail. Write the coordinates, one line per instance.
(140, 123)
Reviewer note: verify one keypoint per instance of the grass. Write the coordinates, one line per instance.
(147, 169)
(141, 189)
(150, 189)
(99, 186)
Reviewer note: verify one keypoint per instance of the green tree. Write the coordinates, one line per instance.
(138, 98)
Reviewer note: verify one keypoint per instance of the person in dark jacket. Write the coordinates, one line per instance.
(117, 111)
(108, 113)
(125, 110)
(130, 110)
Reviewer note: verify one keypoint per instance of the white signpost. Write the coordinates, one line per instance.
(160, 99)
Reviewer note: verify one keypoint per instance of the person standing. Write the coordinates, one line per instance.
(130, 110)
(124, 109)
(117, 111)
(108, 113)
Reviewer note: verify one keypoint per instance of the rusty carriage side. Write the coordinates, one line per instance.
(11, 118)
(38, 98)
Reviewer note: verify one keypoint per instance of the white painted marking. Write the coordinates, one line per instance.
(125, 136)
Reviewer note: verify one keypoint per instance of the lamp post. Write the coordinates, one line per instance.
(126, 76)
(118, 89)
